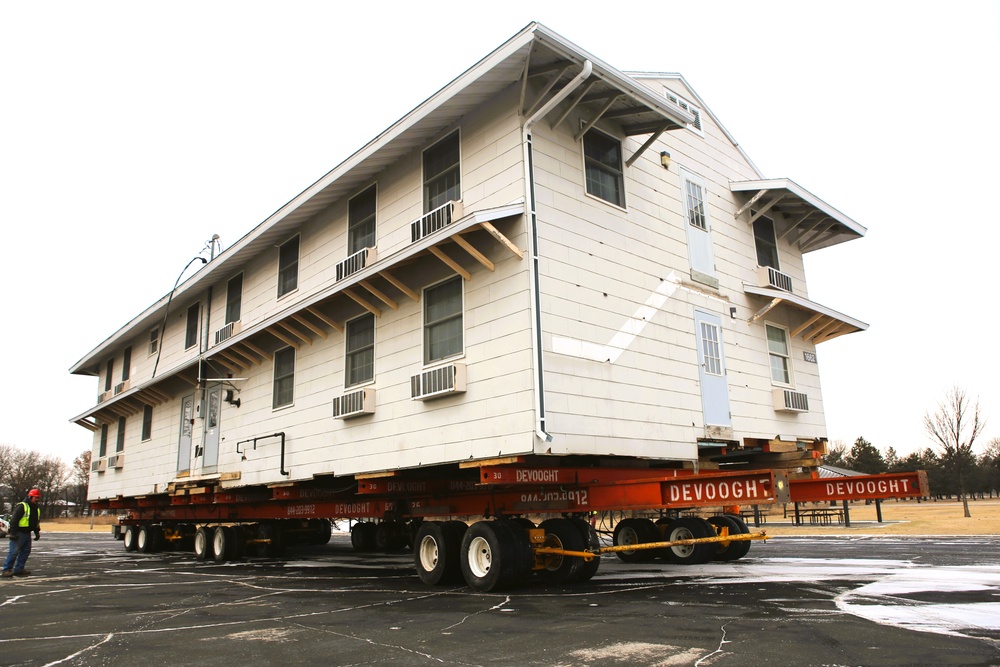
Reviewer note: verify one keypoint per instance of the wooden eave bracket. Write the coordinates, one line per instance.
(766, 309)
(469, 248)
(91, 426)
(379, 294)
(452, 264)
(315, 312)
(503, 240)
(400, 285)
(363, 303)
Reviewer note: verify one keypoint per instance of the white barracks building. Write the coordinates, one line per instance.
(547, 258)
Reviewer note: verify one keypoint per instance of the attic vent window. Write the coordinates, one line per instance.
(689, 107)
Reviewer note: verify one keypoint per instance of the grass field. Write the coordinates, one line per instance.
(909, 517)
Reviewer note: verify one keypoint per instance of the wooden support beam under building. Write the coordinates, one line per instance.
(363, 303)
(452, 264)
(402, 287)
(318, 314)
(379, 294)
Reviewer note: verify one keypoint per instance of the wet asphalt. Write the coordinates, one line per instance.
(792, 601)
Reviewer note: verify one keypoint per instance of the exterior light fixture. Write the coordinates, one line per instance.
(665, 159)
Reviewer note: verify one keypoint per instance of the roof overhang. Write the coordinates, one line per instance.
(806, 220)
(535, 53)
(820, 324)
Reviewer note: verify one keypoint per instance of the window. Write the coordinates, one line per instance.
(764, 239)
(147, 422)
(777, 348)
(603, 164)
(443, 320)
(442, 173)
(103, 450)
(360, 350)
(288, 266)
(711, 350)
(110, 372)
(690, 108)
(126, 363)
(695, 204)
(284, 377)
(154, 341)
(361, 221)
(120, 443)
(234, 298)
(191, 332)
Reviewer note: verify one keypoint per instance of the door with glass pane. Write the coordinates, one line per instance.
(213, 409)
(187, 428)
(712, 369)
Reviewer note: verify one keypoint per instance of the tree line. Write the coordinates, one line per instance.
(63, 487)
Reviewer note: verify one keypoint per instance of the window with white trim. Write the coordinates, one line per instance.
(120, 441)
(443, 321)
(147, 422)
(765, 242)
(110, 371)
(442, 172)
(102, 450)
(126, 363)
(689, 107)
(234, 298)
(191, 330)
(778, 352)
(361, 221)
(283, 392)
(359, 352)
(694, 197)
(604, 174)
(154, 341)
(288, 266)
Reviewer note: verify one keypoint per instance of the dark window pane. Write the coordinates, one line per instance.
(234, 299)
(361, 221)
(288, 266)
(191, 333)
(604, 176)
(360, 353)
(442, 173)
(443, 327)
(284, 377)
(147, 422)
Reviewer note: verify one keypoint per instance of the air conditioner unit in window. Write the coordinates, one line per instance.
(770, 277)
(437, 382)
(103, 396)
(356, 262)
(434, 220)
(227, 332)
(100, 465)
(116, 461)
(361, 402)
(786, 400)
(121, 386)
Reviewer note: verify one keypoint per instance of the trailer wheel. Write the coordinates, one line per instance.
(203, 546)
(436, 553)
(146, 540)
(635, 531)
(390, 536)
(321, 531)
(740, 549)
(130, 537)
(495, 555)
(363, 536)
(274, 544)
(226, 544)
(561, 534)
(588, 568)
(687, 528)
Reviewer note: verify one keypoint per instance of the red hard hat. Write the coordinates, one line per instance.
(34, 493)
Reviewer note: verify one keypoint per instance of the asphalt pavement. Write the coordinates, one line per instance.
(792, 601)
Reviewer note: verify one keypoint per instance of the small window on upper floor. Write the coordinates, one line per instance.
(780, 356)
(234, 298)
(443, 321)
(695, 111)
(359, 353)
(109, 373)
(283, 391)
(288, 266)
(767, 245)
(361, 221)
(154, 341)
(602, 156)
(120, 442)
(442, 172)
(102, 449)
(127, 363)
(191, 331)
(147, 422)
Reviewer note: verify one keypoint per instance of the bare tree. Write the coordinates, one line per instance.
(76, 489)
(954, 427)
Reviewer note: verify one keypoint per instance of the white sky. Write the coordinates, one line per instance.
(131, 132)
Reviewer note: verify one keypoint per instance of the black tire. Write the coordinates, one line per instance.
(740, 549)
(116, 532)
(363, 537)
(588, 568)
(436, 553)
(636, 531)
(226, 544)
(495, 555)
(561, 534)
(686, 528)
(146, 540)
(130, 538)
(321, 531)
(390, 536)
(273, 544)
(523, 522)
(203, 547)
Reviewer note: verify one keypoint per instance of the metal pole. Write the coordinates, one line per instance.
(847, 515)
(878, 509)
(798, 519)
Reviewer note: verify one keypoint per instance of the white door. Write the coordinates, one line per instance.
(712, 369)
(187, 428)
(213, 409)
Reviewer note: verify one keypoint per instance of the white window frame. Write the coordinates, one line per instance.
(275, 378)
(197, 325)
(147, 423)
(154, 340)
(298, 260)
(457, 133)
(423, 329)
(621, 166)
(348, 352)
(229, 297)
(699, 126)
(351, 225)
(774, 241)
(772, 354)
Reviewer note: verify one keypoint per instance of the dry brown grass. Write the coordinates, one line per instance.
(908, 517)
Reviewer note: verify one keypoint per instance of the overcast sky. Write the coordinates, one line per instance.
(133, 132)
